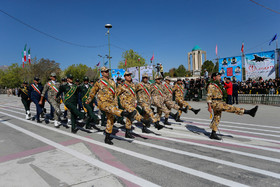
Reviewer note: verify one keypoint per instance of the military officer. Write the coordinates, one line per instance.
(107, 101)
(167, 90)
(159, 98)
(127, 95)
(34, 94)
(23, 92)
(88, 108)
(179, 98)
(144, 100)
(71, 92)
(51, 87)
(215, 94)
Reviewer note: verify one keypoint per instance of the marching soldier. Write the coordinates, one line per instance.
(23, 92)
(107, 101)
(127, 95)
(34, 94)
(215, 96)
(88, 108)
(70, 92)
(144, 100)
(159, 98)
(51, 87)
(179, 98)
(119, 119)
(169, 103)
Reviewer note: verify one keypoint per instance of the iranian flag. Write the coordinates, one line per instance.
(125, 63)
(25, 53)
(29, 57)
(22, 58)
(138, 59)
(216, 50)
(242, 48)
(152, 58)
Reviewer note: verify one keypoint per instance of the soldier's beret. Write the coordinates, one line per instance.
(104, 69)
(215, 74)
(53, 74)
(92, 81)
(25, 82)
(127, 73)
(119, 79)
(63, 79)
(36, 78)
(69, 76)
(77, 80)
(86, 78)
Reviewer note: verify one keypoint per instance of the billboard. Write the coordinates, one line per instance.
(231, 67)
(143, 69)
(260, 64)
(117, 73)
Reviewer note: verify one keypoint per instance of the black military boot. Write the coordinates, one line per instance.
(214, 136)
(166, 122)
(174, 116)
(107, 139)
(252, 112)
(178, 119)
(147, 122)
(158, 126)
(128, 134)
(145, 129)
(74, 131)
(195, 111)
(129, 115)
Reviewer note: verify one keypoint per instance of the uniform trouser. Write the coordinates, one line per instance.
(119, 119)
(130, 107)
(182, 104)
(26, 104)
(110, 109)
(218, 107)
(148, 113)
(38, 108)
(55, 105)
(75, 113)
(171, 104)
(159, 103)
(89, 110)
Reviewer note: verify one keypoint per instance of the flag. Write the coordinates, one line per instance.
(138, 59)
(29, 57)
(216, 50)
(152, 58)
(125, 62)
(98, 64)
(242, 48)
(22, 58)
(274, 38)
(25, 53)
(106, 63)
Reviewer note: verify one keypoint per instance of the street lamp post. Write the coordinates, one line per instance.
(109, 26)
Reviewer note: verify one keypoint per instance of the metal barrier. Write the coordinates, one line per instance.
(265, 99)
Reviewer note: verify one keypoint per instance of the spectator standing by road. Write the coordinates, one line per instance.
(228, 87)
(235, 89)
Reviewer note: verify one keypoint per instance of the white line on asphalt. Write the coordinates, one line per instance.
(197, 137)
(142, 156)
(118, 172)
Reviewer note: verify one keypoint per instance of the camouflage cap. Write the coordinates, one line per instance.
(145, 75)
(53, 74)
(167, 78)
(158, 77)
(69, 76)
(104, 69)
(86, 78)
(127, 73)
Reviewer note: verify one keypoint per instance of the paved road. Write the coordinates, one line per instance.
(34, 154)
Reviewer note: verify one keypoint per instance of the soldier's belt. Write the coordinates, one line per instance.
(217, 99)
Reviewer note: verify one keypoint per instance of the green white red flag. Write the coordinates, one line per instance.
(25, 53)
(22, 58)
(29, 57)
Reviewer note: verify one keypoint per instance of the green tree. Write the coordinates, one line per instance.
(93, 74)
(12, 77)
(77, 70)
(207, 65)
(132, 60)
(216, 68)
(181, 71)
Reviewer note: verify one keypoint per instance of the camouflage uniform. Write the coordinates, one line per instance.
(107, 100)
(215, 97)
(144, 100)
(179, 97)
(52, 87)
(127, 95)
(167, 90)
(158, 99)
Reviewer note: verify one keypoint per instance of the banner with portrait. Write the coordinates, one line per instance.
(231, 67)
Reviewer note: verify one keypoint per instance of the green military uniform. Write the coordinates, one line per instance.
(23, 93)
(70, 92)
(84, 91)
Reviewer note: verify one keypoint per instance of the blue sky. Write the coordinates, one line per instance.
(169, 29)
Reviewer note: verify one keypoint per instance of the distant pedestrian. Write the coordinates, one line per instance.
(235, 89)
(228, 87)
